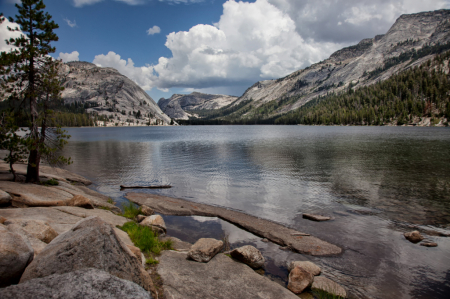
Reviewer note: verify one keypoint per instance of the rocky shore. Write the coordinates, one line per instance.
(61, 240)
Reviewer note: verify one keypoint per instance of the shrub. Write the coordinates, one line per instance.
(144, 238)
(130, 210)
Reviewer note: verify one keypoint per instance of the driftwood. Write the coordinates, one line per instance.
(145, 187)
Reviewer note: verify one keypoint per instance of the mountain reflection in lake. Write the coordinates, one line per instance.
(374, 181)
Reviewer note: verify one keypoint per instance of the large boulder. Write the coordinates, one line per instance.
(91, 243)
(305, 265)
(5, 198)
(221, 278)
(248, 255)
(326, 285)
(154, 221)
(414, 236)
(15, 255)
(36, 228)
(299, 280)
(86, 283)
(205, 249)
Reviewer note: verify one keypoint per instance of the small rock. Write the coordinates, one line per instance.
(316, 217)
(154, 220)
(15, 255)
(305, 265)
(265, 240)
(329, 286)
(5, 198)
(36, 228)
(2, 220)
(146, 210)
(85, 283)
(413, 236)
(299, 280)
(205, 249)
(249, 255)
(80, 201)
(140, 218)
(429, 244)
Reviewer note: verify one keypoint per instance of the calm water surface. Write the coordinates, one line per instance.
(376, 182)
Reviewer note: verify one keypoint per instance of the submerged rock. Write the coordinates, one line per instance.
(248, 255)
(86, 284)
(305, 265)
(15, 255)
(205, 249)
(299, 280)
(316, 217)
(413, 236)
(327, 285)
(91, 243)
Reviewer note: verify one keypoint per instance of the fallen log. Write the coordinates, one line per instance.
(145, 187)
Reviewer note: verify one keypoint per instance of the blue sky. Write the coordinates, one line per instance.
(214, 46)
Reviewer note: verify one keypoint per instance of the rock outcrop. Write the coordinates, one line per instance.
(248, 255)
(205, 249)
(15, 254)
(91, 243)
(220, 278)
(177, 105)
(105, 91)
(86, 283)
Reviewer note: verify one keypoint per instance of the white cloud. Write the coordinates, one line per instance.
(154, 30)
(264, 39)
(80, 3)
(6, 35)
(70, 23)
(66, 57)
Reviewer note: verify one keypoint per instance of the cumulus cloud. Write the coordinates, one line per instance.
(346, 21)
(154, 30)
(81, 3)
(70, 23)
(6, 35)
(66, 57)
(264, 39)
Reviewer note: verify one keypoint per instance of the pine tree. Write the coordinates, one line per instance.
(26, 78)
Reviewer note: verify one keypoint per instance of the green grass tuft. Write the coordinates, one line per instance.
(111, 201)
(51, 182)
(130, 210)
(145, 239)
(151, 261)
(320, 294)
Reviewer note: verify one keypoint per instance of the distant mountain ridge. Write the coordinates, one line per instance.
(106, 92)
(179, 105)
(412, 40)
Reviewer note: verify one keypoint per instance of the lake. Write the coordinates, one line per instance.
(376, 183)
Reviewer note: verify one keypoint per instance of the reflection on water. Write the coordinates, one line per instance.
(373, 181)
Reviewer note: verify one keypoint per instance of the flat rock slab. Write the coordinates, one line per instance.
(46, 172)
(316, 217)
(274, 232)
(86, 283)
(221, 278)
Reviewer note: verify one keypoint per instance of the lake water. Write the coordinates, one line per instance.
(376, 182)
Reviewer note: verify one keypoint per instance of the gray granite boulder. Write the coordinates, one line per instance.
(299, 280)
(328, 286)
(87, 283)
(5, 198)
(154, 221)
(221, 278)
(91, 243)
(248, 255)
(305, 265)
(205, 249)
(15, 255)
